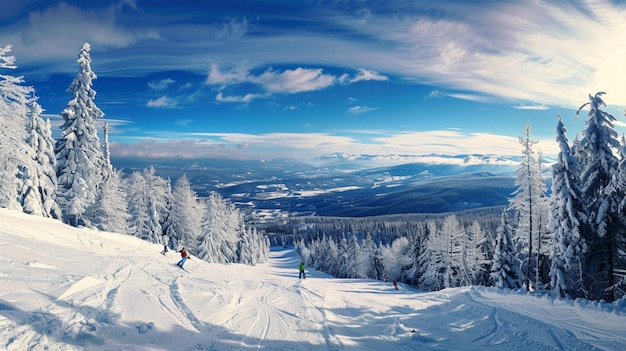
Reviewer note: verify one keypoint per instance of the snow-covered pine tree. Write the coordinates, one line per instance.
(111, 210)
(419, 253)
(186, 214)
(617, 191)
(26, 180)
(527, 204)
(505, 271)
(148, 195)
(396, 258)
(544, 239)
(476, 256)
(352, 267)
(438, 271)
(39, 193)
(80, 164)
(332, 254)
(568, 222)
(15, 153)
(599, 166)
(343, 260)
(220, 231)
(253, 247)
(456, 249)
(371, 258)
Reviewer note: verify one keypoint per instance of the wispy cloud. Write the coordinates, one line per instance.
(365, 74)
(531, 107)
(357, 110)
(161, 84)
(272, 81)
(60, 29)
(469, 97)
(309, 146)
(233, 98)
(435, 94)
(294, 81)
(540, 52)
(289, 81)
(163, 102)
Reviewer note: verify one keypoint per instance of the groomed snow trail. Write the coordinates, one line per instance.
(76, 289)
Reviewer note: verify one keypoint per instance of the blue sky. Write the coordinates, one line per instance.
(270, 79)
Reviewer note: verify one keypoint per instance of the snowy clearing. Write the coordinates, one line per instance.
(77, 289)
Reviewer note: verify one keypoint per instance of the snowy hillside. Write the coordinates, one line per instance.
(74, 289)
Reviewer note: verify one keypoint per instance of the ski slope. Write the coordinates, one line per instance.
(64, 288)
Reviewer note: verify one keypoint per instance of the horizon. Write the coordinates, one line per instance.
(243, 80)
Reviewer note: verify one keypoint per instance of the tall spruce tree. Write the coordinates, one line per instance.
(527, 204)
(80, 163)
(618, 192)
(39, 194)
(599, 167)
(568, 222)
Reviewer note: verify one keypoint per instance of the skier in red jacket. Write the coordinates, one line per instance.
(184, 256)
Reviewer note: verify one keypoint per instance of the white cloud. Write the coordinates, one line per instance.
(543, 52)
(532, 107)
(310, 146)
(435, 94)
(294, 81)
(357, 110)
(162, 84)
(59, 24)
(289, 81)
(229, 77)
(365, 74)
(469, 97)
(162, 102)
(231, 98)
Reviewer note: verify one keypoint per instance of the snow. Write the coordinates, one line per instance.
(65, 288)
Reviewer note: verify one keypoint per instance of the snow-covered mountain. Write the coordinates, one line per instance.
(345, 188)
(65, 288)
(370, 161)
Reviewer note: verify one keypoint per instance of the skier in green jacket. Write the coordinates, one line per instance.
(301, 269)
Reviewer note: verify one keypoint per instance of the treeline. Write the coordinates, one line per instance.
(411, 248)
(72, 179)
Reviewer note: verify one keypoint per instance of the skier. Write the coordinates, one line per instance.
(395, 284)
(385, 277)
(165, 250)
(301, 269)
(184, 256)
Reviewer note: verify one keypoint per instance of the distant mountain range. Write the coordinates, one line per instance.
(346, 185)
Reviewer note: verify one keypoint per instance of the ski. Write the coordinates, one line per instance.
(175, 264)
